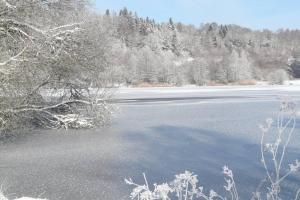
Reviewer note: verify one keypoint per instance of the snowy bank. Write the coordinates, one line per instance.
(2, 197)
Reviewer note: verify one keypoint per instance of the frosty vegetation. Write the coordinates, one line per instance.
(51, 54)
(173, 53)
(186, 186)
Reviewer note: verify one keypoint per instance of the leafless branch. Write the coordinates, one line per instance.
(8, 4)
(14, 58)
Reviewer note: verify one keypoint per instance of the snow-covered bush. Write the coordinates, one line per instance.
(45, 49)
(186, 186)
(183, 187)
(278, 77)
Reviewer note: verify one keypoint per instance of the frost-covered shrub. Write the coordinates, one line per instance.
(278, 77)
(186, 186)
(183, 187)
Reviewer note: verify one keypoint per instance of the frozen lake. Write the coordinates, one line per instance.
(159, 131)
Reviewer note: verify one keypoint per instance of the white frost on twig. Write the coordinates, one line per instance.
(11, 59)
(8, 4)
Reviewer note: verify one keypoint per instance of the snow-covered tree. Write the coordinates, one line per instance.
(47, 65)
(239, 67)
(199, 72)
(147, 64)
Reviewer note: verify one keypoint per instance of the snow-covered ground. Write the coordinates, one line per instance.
(2, 197)
(197, 89)
(292, 82)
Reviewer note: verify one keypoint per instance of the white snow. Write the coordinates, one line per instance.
(28, 198)
(193, 89)
(292, 82)
(2, 197)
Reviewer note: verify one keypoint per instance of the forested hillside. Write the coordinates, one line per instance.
(175, 53)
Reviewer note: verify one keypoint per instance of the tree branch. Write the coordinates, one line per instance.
(17, 23)
(8, 4)
(27, 108)
(14, 58)
(64, 26)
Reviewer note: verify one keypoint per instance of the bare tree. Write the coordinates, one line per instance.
(47, 70)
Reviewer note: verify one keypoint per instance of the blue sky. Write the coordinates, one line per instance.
(255, 14)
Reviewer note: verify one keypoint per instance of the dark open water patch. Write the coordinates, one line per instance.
(168, 99)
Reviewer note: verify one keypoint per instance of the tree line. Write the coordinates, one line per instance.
(179, 54)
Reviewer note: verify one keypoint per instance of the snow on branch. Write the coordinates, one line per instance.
(8, 4)
(52, 117)
(11, 59)
(16, 23)
(64, 26)
(72, 31)
(11, 23)
(41, 108)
